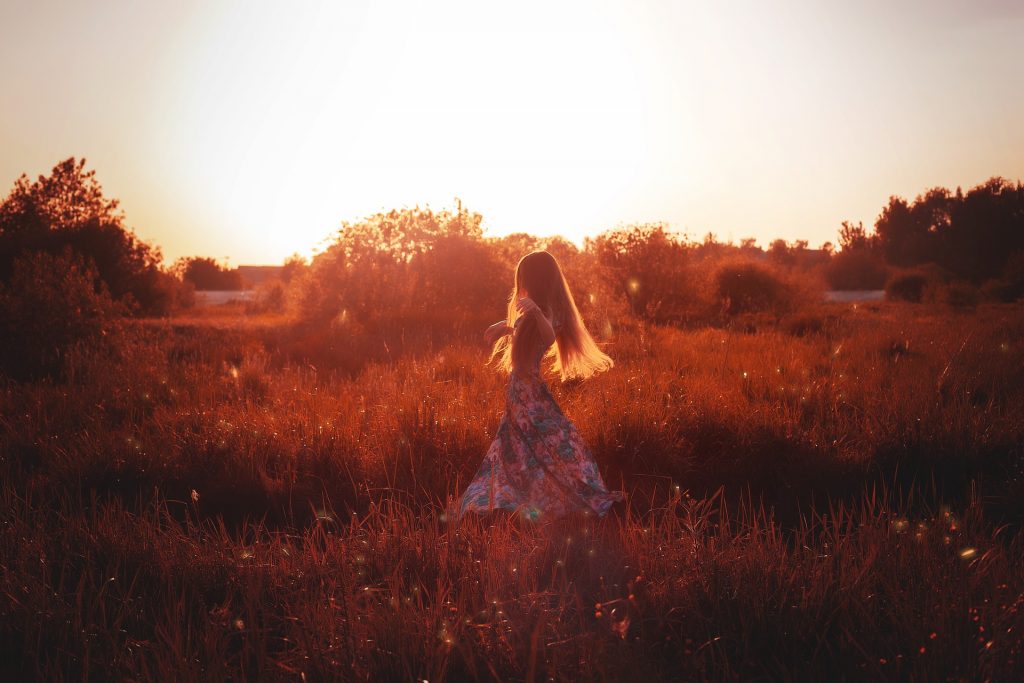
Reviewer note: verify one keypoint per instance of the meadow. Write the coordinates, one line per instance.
(831, 495)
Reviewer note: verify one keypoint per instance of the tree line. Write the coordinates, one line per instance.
(975, 236)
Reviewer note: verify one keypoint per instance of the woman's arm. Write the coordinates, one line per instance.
(498, 329)
(547, 333)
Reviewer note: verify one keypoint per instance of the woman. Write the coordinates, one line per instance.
(538, 464)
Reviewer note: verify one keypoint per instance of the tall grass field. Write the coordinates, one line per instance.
(831, 495)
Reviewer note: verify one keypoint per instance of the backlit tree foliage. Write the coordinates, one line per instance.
(859, 263)
(67, 209)
(973, 235)
(52, 305)
(207, 274)
(647, 267)
(409, 265)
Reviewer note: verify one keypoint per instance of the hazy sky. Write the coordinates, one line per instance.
(251, 130)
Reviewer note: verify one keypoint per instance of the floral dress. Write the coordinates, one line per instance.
(537, 464)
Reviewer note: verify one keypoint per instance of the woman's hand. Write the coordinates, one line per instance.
(495, 331)
(526, 306)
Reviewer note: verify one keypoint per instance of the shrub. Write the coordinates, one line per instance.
(51, 305)
(399, 280)
(959, 295)
(810, 322)
(271, 297)
(458, 280)
(649, 269)
(853, 269)
(1010, 287)
(164, 294)
(997, 290)
(748, 287)
(907, 286)
(1013, 274)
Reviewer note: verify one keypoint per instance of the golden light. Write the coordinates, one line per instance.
(290, 121)
(252, 129)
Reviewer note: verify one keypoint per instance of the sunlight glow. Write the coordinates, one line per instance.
(307, 117)
(252, 129)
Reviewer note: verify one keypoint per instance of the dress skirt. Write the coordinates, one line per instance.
(537, 464)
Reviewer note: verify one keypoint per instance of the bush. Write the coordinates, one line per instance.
(649, 270)
(271, 297)
(853, 269)
(812, 321)
(458, 280)
(51, 305)
(1010, 287)
(1013, 274)
(997, 290)
(748, 287)
(164, 294)
(403, 276)
(907, 286)
(959, 295)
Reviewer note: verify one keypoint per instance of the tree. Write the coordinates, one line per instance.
(750, 287)
(384, 267)
(648, 267)
(985, 228)
(856, 268)
(50, 306)
(709, 248)
(901, 238)
(514, 246)
(778, 251)
(401, 234)
(853, 236)
(207, 274)
(293, 265)
(858, 264)
(562, 249)
(972, 235)
(910, 234)
(68, 209)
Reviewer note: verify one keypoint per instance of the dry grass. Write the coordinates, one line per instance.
(848, 506)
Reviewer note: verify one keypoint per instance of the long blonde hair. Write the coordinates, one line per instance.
(575, 354)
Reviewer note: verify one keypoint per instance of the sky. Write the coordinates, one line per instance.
(248, 131)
